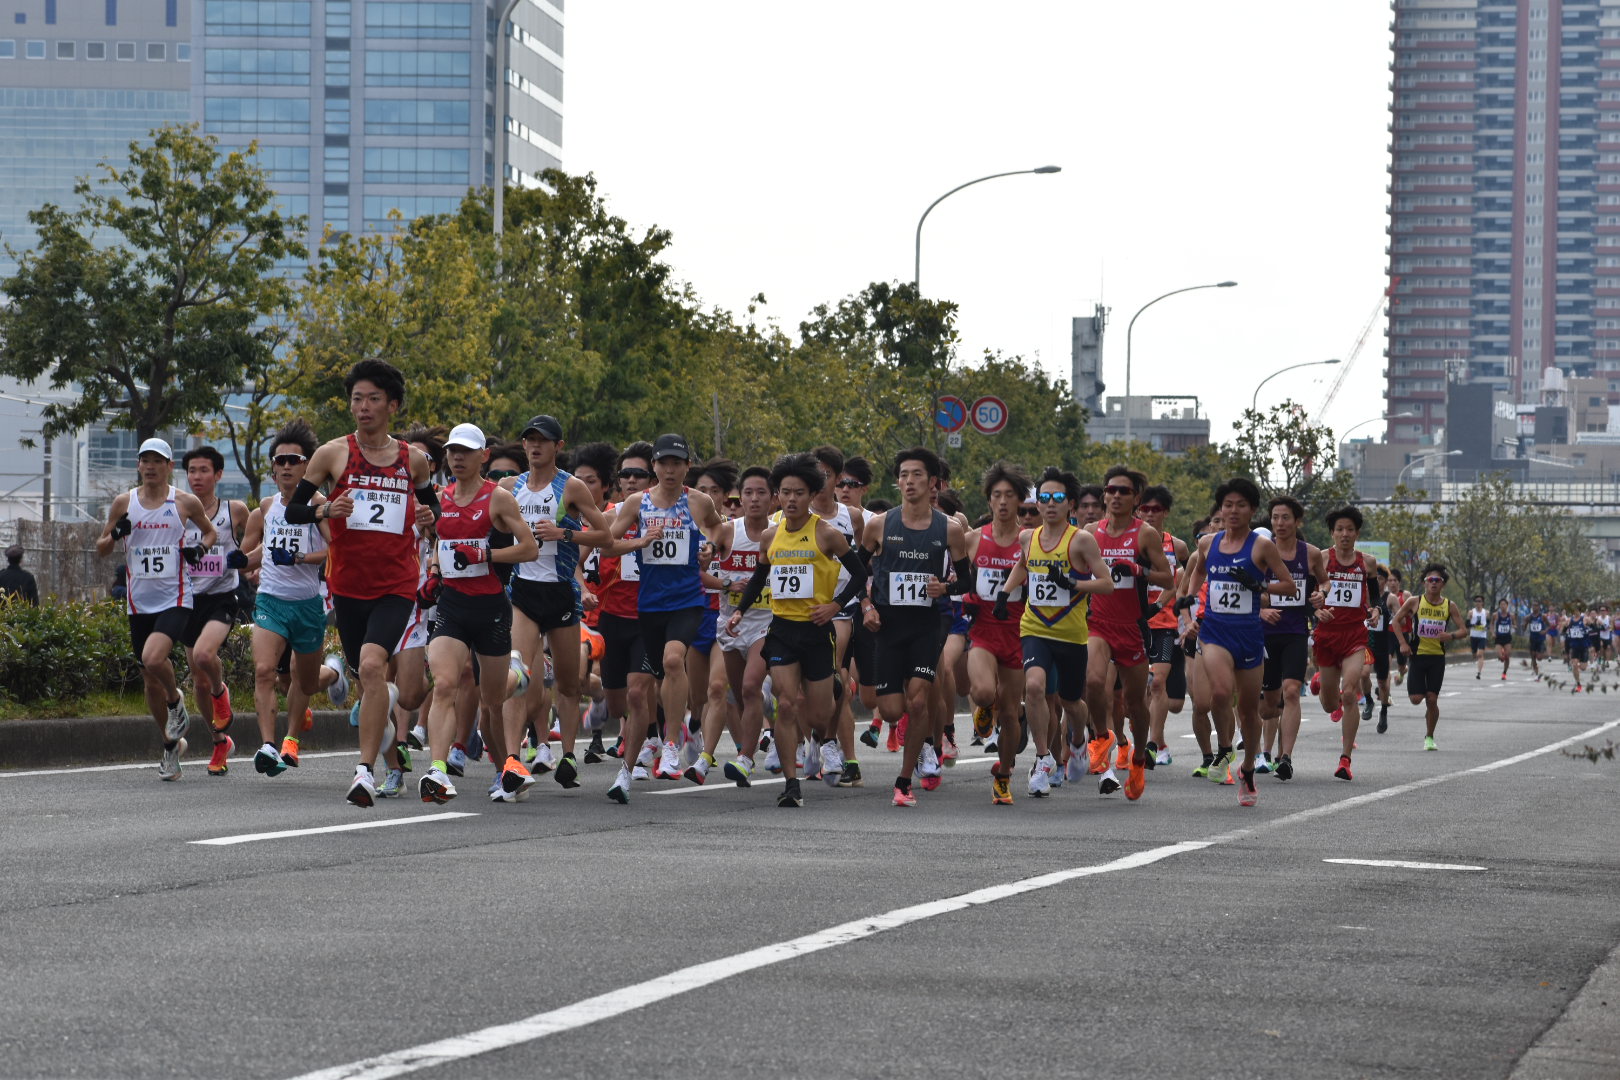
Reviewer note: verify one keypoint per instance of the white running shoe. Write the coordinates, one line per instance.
(698, 771)
(773, 760)
(522, 670)
(1163, 758)
(1040, 785)
(691, 750)
(338, 692)
(640, 773)
(363, 791)
(436, 787)
(1262, 762)
(739, 769)
(1054, 772)
(832, 762)
(620, 791)
(649, 750)
(543, 761)
(169, 763)
(1075, 768)
(669, 763)
(810, 759)
(1109, 782)
(179, 721)
(928, 763)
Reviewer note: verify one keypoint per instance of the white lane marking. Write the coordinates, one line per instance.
(1450, 693)
(630, 998)
(9, 775)
(1399, 865)
(1343, 927)
(694, 789)
(248, 838)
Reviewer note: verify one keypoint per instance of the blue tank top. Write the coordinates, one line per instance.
(669, 565)
(1294, 608)
(1231, 603)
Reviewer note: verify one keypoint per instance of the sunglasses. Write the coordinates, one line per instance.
(850, 484)
(1052, 497)
(633, 474)
(1114, 489)
(734, 501)
(288, 459)
(1151, 508)
(501, 474)
(1028, 510)
(1434, 580)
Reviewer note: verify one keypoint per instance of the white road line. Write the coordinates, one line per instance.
(248, 838)
(1397, 864)
(244, 758)
(639, 995)
(729, 786)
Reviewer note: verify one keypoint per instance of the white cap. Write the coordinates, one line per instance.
(467, 436)
(1261, 530)
(155, 446)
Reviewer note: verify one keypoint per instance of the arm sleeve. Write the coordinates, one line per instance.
(964, 577)
(298, 511)
(857, 577)
(755, 586)
(429, 497)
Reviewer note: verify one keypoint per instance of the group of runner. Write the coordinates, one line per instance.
(521, 604)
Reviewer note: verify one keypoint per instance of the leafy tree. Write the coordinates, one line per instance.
(1287, 454)
(1407, 524)
(151, 297)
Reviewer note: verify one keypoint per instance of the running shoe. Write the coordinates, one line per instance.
(1316, 684)
(1248, 794)
(289, 752)
(809, 758)
(1219, 767)
(1367, 707)
(851, 776)
(765, 739)
(1072, 770)
(929, 783)
(526, 751)
(903, 797)
(1152, 754)
(1202, 771)
(1000, 791)
(690, 749)
(984, 722)
(790, 795)
(832, 762)
(991, 745)
(393, 783)
(948, 755)
(1163, 756)
(640, 773)
(738, 771)
(699, 770)
(500, 794)
(309, 719)
(1343, 771)
(1040, 781)
(1056, 770)
(475, 745)
(354, 714)
(617, 749)
(1383, 719)
(1135, 781)
(1285, 767)
(1122, 760)
(338, 692)
(544, 760)
(773, 760)
(517, 665)
(1109, 782)
(456, 762)
(1098, 749)
(418, 737)
(514, 776)
(650, 750)
(567, 772)
(179, 720)
(893, 743)
(595, 752)
(435, 787)
(870, 735)
(219, 762)
(221, 704)
(267, 761)
(1337, 714)
(169, 763)
(620, 791)
(363, 789)
(1262, 762)
(928, 762)
(1428, 743)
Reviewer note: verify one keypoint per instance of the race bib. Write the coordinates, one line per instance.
(286, 537)
(792, 581)
(1230, 598)
(211, 565)
(630, 568)
(377, 511)
(1431, 628)
(909, 588)
(1344, 592)
(988, 582)
(453, 566)
(1044, 593)
(1377, 621)
(673, 548)
(1293, 599)
(153, 562)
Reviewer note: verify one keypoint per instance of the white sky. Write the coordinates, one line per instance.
(791, 148)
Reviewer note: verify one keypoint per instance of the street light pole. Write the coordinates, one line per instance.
(916, 270)
(503, 98)
(1345, 437)
(1255, 400)
(1435, 455)
(1132, 326)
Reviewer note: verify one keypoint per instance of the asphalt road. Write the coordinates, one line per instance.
(705, 931)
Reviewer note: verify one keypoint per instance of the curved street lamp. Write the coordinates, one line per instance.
(1373, 420)
(1132, 325)
(1255, 400)
(1435, 456)
(503, 98)
(916, 270)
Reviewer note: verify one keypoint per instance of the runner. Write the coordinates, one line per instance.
(408, 668)
(151, 520)
(594, 465)
(1287, 633)
(740, 677)
(214, 581)
(380, 488)
(1240, 565)
(1167, 686)
(799, 557)
(1536, 627)
(632, 693)
(1381, 645)
(995, 654)
(1479, 618)
(1342, 605)
(849, 520)
(1578, 634)
(1502, 625)
(714, 478)
(473, 616)
(1426, 672)
(1053, 631)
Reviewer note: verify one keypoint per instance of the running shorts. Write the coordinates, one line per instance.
(301, 623)
(908, 647)
(999, 638)
(755, 622)
(1064, 663)
(378, 621)
(550, 605)
(790, 641)
(622, 650)
(1161, 645)
(170, 622)
(1247, 646)
(659, 628)
(1287, 657)
(207, 608)
(483, 623)
(1124, 641)
(1424, 675)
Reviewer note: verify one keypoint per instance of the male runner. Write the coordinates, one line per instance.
(1578, 634)
(1536, 627)
(1479, 618)
(995, 654)
(1342, 606)
(849, 520)
(1167, 685)
(741, 672)
(1434, 615)
(214, 582)
(1287, 633)
(1502, 625)
(151, 519)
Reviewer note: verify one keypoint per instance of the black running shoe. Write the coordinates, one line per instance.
(1284, 768)
(851, 776)
(566, 773)
(1152, 754)
(790, 795)
(1383, 719)
(617, 749)
(870, 737)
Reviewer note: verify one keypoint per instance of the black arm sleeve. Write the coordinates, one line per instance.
(964, 577)
(428, 497)
(298, 511)
(755, 586)
(857, 578)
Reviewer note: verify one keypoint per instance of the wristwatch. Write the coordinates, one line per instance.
(568, 536)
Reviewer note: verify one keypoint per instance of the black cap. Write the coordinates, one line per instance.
(671, 446)
(547, 426)
(14, 553)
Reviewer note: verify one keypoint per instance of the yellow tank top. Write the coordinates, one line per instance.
(1433, 621)
(802, 575)
(1053, 613)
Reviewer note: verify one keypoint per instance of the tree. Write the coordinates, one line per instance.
(149, 299)
(246, 427)
(1407, 524)
(1283, 452)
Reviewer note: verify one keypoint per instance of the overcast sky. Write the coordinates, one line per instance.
(792, 148)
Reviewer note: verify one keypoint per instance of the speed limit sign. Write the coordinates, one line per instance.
(988, 415)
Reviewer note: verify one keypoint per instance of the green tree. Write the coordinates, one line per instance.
(1407, 524)
(150, 299)
(1287, 454)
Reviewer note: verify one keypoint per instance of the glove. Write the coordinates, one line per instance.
(1057, 577)
(1000, 609)
(1186, 602)
(193, 554)
(428, 594)
(468, 555)
(1141, 559)
(122, 527)
(236, 560)
(1121, 571)
(283, 556)
(1189, 646)
(1246, 579)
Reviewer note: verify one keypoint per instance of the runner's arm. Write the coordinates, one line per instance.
(117, 518)
(504, 515)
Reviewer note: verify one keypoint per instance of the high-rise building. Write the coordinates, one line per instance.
(359, 107)
(1504, 224)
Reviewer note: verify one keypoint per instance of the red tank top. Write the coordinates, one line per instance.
(468, 524)
(620, 595)
(1166, 618)
(373, 553)
(1346, 595)
(1122, 605)
(992, 562)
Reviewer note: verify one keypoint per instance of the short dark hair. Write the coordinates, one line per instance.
(723, 471)
(600, 457)
(755, 470)
(1294, 506)
(512, 451)
(879, 506)
(1158, 493)
(1070, 482)
(1005, 472)
(929, 460)
(641, 448)
(1138, 480)
(830, 456)
(1334, 516)
(433, 439)
(950, 502)
(1241, 486)
(298, 432)
(1439, 568)
(858, 468)
(205, 453)
(801, 466)
(381, 374)
(1093, 491)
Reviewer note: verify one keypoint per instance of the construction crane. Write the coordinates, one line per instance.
(1350, 361)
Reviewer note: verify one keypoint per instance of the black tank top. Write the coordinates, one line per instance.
(905, 552)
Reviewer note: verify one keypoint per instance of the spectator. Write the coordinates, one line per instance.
(15, 581)
(120, 585)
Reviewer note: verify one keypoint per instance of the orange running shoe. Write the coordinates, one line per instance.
(309, 719)
(222, 709)
(1098, 749)
(218, 765)
(289, 752)
(897, 733)
(903, 797)
(514, 777)
(1135, 781)
(1123, 759)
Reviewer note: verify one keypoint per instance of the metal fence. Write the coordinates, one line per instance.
(62, 557)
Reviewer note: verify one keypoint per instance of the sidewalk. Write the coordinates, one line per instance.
(1583, 1043)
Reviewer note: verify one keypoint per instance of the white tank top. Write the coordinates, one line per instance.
(538, 506)
(210, 576)
(844, 523)
(157, 573)
(300, 582)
